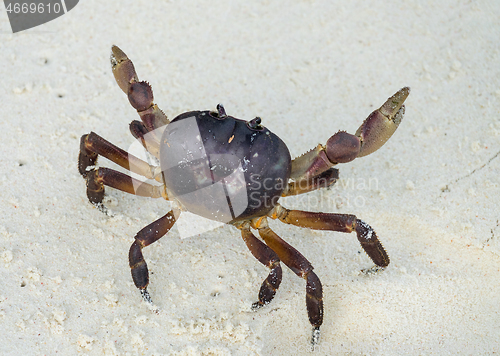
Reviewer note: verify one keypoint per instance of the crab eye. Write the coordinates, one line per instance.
(254, 124)
(220, 114)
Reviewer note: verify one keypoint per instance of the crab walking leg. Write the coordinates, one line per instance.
(302, 268)
(268, 258)
(151, 233)
(337, 222)
(98, 178)
(344, 147)
(92, 145)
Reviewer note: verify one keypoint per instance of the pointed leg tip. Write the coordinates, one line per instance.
(146, 296)
(257, 305)
(102, 208)
(373, 270)
(315, 337)
(147, 299)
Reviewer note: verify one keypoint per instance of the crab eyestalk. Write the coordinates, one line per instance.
(382, 123)
(221, 111)
(254, 124)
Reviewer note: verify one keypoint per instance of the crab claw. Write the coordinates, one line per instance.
(382, 123)
(140, 96)
(123, 69)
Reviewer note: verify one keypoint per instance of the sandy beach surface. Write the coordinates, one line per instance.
(309, 69)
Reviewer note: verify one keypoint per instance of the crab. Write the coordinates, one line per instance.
(233, 171)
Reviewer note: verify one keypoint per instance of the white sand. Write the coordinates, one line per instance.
(308, 69)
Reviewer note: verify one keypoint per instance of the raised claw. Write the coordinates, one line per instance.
(123, 69)
(343, 147)
(382, 123)
(140, 96)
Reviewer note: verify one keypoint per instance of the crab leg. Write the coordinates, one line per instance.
(302, 268)
(268, 258)
(151, 233)
(140, 94)
(337, 222)
(343, 147)
(98, 178)
(92, 145)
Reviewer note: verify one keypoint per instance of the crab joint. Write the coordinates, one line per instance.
(259, 223)
(278, 212)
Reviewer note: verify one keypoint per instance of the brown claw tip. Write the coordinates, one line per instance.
(123, 69)
(405, 90)
(382, 123)
(395, 102)
(402, 94)
(117, 55)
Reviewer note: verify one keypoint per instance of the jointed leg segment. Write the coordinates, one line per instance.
(341, 223)
(98, 178)
(93, 145)
(279, 250)
(302, 268)
(268, 258)
(151, 233)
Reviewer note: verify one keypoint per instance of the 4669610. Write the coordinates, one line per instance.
(32, 8)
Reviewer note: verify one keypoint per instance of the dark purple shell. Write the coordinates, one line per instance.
(222, 169)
